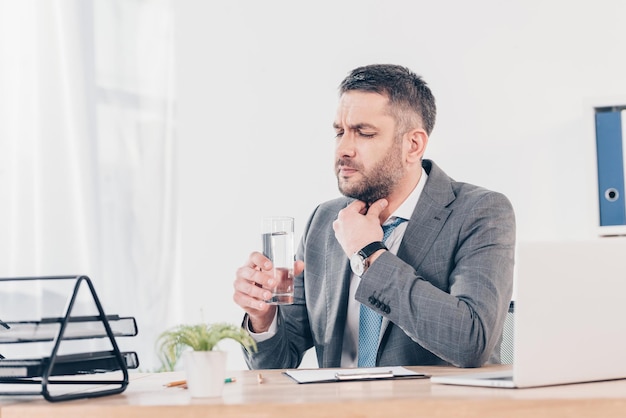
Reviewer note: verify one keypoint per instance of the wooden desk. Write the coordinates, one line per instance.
(279, 396)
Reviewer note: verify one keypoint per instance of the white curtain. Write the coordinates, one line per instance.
(87, 153)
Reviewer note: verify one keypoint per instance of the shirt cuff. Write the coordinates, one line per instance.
(262, 336)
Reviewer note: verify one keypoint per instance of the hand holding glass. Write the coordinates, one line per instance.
(279, 246)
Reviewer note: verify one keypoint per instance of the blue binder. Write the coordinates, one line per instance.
(610, 166)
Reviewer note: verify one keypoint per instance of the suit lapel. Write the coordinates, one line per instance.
(428, 218)
(337, 290)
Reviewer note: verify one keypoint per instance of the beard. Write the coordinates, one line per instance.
(377, 182)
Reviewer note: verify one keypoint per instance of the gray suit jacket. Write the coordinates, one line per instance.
(447, 291)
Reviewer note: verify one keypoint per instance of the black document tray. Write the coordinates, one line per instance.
(61, 375)
(79, 327)
(67, 365)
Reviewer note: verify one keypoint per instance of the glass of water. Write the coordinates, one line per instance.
(279, 246)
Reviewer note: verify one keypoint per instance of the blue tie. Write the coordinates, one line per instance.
(370, 321)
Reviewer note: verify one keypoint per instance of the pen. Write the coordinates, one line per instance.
(177, 383)
(259, 378)
(364, 375)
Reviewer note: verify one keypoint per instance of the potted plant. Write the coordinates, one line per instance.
(204, 364)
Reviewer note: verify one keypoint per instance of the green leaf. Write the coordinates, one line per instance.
(198, 337)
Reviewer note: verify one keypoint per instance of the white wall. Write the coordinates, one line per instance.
(257, 89)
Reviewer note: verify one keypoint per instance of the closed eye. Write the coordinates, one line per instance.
(362, 130)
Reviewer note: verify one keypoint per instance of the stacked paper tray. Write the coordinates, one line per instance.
(79, 327)
(70, 364)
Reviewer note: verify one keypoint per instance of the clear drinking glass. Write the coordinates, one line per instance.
(279, 246)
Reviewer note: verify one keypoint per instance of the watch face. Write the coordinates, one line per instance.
(357, 264)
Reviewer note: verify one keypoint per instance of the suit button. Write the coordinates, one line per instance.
(372, 300)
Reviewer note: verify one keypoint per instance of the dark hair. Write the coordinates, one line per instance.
(405, 90)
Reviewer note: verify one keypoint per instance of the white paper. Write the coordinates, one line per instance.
(329, 375)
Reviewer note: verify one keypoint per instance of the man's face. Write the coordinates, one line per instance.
(368, 154)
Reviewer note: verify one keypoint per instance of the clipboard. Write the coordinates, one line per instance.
(304, 376)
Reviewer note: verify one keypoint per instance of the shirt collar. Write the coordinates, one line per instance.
(405, 210)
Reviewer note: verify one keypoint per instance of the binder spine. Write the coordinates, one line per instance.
(609, 127)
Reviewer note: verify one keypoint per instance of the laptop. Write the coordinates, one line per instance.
(570, 316)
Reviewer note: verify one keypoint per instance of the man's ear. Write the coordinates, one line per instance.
(416, 141)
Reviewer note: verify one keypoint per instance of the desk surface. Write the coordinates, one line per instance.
(279, 396)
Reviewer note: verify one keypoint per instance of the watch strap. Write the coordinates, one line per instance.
(370, 249)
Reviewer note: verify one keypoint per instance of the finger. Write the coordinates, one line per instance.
(250, 288)
(298, 267)
(377, 207)
(251, 305)
(356, 206)
(254, 276)
(349, 212)
(258, 261)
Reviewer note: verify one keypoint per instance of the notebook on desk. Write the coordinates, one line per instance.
(569, 323)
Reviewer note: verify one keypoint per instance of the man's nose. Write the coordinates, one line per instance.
(346, 145)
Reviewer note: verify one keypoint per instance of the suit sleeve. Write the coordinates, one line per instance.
(286, 349)
(454, 303)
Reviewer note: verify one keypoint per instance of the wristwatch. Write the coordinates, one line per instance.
(359, 262)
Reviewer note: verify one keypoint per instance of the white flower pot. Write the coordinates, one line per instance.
(205, 372)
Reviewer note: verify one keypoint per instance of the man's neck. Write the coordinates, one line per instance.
(400, 193)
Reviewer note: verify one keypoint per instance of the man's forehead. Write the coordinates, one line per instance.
(356, 107)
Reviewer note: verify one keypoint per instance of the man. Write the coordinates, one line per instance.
(441, 282)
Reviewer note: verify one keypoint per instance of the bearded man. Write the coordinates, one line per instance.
(409, 268)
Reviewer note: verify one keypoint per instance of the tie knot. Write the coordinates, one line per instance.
(388, 228)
